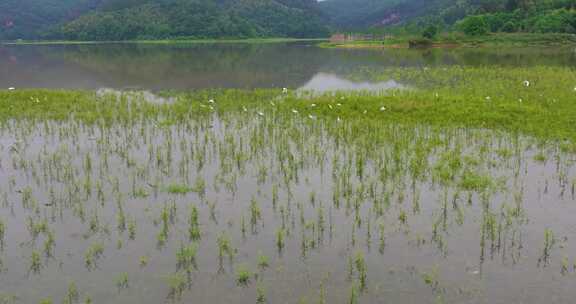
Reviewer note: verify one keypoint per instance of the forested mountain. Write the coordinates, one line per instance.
(490, 15)
(159, 19)
(196, 19)
(25, 18)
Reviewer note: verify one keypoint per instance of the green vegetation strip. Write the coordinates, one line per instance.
(455, 39)
(538, 101)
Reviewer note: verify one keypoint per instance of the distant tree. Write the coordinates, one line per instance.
(430, 31)
(474, 26)
(509, 27)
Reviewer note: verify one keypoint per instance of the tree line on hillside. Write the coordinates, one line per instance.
(479, 17)
(100, 20)
(163, 19)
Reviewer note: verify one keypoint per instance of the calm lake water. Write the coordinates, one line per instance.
(193, 66)
(273, 207)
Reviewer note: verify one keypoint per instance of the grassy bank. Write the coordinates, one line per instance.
(537, 101)
(460, 40)
(166, 41)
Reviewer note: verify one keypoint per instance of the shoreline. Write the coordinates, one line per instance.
(166, 41)
(512, 40)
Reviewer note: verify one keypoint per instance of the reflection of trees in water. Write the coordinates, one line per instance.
(352, 64)
(187, 66)
(190, 66)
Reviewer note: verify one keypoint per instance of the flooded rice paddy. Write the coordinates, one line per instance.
(253, 207)
(237, 196)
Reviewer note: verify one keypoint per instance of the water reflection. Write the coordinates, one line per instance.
(193, 66)
(135, 96)
(324, 82)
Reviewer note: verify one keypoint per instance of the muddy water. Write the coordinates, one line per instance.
(437, 215)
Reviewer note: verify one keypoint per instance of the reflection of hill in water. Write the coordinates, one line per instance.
(199, 66)
(323, 82)
(189, 66)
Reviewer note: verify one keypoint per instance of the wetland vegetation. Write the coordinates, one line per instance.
(212, 154)
(458, 187)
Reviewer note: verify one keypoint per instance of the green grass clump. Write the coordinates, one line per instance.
(2, 233)
(186, 256)
(263, 261)
(177, 283)
(178, 189)
(243, 275)
(94, 252)
(122, 281)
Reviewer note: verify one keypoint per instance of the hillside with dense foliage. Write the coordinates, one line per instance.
(100, 20)
(471, 16)
(26, 18)
(161, 19)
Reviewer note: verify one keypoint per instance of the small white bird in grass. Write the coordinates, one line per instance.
(526, 83)
(294, 111)
(488, 98)
(382, 109)
(260, 113)
(12, 89)
(211, 101)
(313, 105)
(285, 90)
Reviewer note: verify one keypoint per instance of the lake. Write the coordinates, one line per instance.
(194, 66)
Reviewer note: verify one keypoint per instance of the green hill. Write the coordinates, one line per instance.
(475, 16)
(160, 19)
(26, 18)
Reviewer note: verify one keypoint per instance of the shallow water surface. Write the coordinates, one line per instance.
(312, 209)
